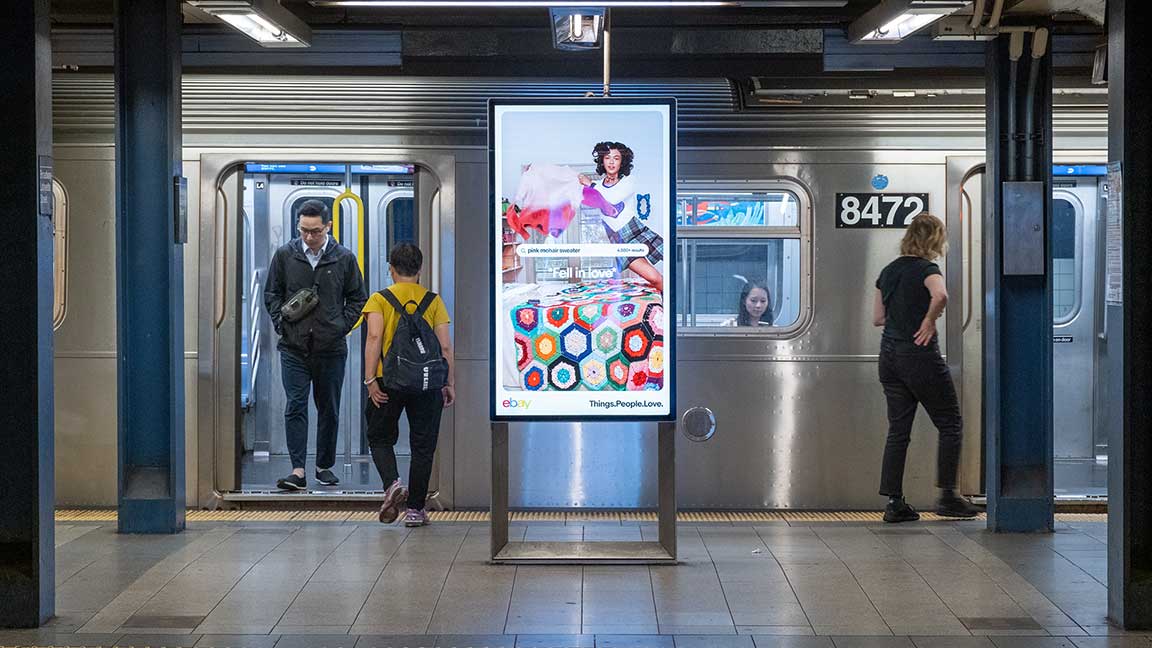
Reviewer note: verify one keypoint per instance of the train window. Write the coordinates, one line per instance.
(299, 202)
(739, 255)
(400, 215)
(1065, 278)
(59, 253)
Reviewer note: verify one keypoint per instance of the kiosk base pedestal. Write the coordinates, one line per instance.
(586, 553)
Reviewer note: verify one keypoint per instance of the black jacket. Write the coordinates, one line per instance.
(339, 284)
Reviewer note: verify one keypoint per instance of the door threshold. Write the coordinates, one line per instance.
(269, 496)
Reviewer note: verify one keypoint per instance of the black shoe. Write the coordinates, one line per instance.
(900, 512)
(327, 477)
(956, 507)
(292, 482)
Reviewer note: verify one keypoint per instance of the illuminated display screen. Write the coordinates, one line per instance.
(583, 244)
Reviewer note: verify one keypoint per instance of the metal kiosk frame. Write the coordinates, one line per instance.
(662, 551)
(582, 553)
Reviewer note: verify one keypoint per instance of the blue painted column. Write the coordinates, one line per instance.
(27, 554)
(149, 267)
(1018, 291)
(1126, 349)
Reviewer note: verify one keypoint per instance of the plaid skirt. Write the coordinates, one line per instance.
(637, 232)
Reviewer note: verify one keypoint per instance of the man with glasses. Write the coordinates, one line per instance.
(314, 293)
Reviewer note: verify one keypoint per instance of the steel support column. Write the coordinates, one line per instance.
(27, 554)
(1018, 291)
(1126, 351)
(149, 267)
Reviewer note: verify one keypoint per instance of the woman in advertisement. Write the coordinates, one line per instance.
(622, 209)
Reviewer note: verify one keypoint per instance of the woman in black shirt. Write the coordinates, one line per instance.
(910, 296)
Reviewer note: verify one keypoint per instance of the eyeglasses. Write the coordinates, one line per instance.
(310, 232)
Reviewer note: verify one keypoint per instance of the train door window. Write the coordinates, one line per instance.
(739, 254)
(294, 210)
(59, 253)
(1065, 259)
(400, 216)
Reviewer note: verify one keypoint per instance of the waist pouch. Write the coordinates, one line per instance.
(298, 307)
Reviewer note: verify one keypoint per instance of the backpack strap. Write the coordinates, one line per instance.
(394, 302)
(425, 303)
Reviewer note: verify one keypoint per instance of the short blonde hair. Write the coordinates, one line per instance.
(924, 238)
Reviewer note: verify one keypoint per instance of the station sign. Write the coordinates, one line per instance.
(583, 246)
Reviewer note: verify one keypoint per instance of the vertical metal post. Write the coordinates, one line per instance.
(499, 521)
(607, 52)
(666, 479)
(1126, 357)
(149, 267)
(27, 553)
(1018, 291)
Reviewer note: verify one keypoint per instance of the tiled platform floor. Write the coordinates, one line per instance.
(783, 585)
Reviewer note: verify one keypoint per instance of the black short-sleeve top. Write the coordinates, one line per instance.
(905, 297)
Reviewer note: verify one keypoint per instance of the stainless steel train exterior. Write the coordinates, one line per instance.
(798, 410)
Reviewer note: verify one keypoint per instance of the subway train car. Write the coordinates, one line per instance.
(771, 184)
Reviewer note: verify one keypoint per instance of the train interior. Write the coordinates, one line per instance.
(373, 209)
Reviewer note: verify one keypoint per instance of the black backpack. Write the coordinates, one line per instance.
(414, 363)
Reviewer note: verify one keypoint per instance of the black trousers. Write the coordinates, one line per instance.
(424, 411)
(914, 376)
(324, 373)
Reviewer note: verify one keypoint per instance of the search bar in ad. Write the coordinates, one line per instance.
(613, 250)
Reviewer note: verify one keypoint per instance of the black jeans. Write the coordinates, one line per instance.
(324, 373)
(424, 412)
(910, 376)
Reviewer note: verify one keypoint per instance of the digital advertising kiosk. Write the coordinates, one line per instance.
(583, 247)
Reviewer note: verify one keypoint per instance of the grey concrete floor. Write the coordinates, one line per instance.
(836, 585)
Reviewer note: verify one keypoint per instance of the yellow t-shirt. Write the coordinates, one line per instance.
(405, 292)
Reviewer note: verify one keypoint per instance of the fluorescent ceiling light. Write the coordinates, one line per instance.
(903, 26)
(892, 21)
(481, 4)
(264, 21)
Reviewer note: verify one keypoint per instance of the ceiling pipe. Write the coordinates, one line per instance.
(977, 14)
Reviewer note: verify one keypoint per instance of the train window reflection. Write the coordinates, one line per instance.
(1065, 279)
(739, 255)
(728, 209)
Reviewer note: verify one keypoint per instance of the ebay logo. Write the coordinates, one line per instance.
(515, 404)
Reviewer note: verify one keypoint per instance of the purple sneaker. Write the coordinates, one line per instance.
(393, 497)
(415, 517)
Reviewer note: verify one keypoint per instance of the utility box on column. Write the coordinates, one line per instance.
(1024, 249)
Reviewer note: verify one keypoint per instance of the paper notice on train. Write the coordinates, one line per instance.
(1114, 239)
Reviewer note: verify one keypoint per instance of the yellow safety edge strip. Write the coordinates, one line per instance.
(326, 515)
(361, 246)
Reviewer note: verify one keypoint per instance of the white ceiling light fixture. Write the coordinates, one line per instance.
(894, 20)
(514, 4)
(264, 21)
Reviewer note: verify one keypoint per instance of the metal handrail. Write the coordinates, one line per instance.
(253, 339)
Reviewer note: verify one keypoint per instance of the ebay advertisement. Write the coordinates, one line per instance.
(583, 248)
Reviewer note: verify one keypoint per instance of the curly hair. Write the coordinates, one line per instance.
(626, 157)
(925, 238)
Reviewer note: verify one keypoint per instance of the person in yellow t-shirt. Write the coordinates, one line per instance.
(385, 406)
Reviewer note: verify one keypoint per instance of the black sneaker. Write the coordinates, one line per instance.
(327, 477)
(900, 512)
(956, 507)
(292, 482)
